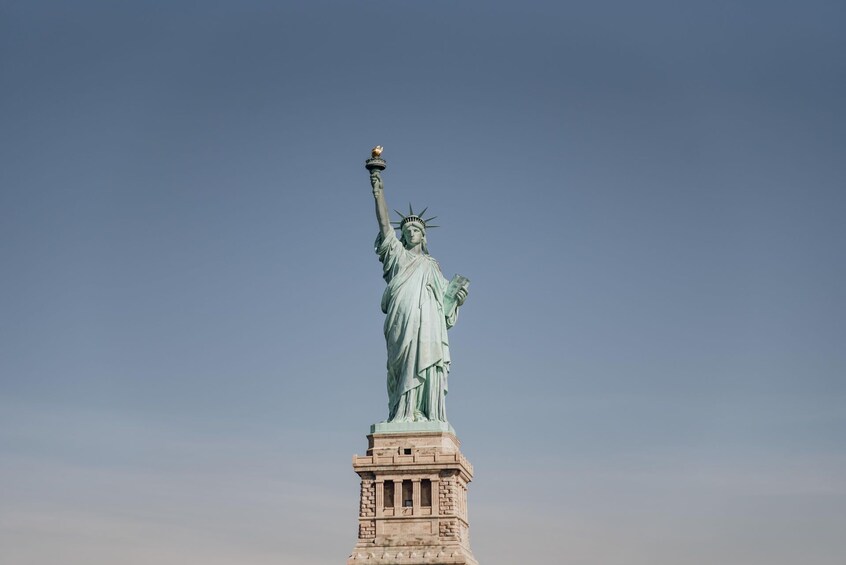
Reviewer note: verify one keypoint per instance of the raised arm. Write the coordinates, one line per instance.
(381, 206)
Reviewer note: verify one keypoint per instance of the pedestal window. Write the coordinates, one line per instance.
(388, 494)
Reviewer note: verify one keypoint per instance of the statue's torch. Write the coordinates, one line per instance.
(375, 163)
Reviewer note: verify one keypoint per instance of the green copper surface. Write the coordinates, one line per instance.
(410, 427)
(420, 305)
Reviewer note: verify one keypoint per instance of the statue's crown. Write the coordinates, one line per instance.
(412, 217)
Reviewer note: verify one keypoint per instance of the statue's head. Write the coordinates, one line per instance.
(413, 234)
(413, 228)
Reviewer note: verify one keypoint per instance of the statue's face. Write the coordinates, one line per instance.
(413, 235)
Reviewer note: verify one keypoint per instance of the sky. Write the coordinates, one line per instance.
(647, 197)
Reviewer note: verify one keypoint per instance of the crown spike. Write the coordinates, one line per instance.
(412, 217)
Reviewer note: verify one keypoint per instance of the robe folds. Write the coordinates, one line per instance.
(415, 333)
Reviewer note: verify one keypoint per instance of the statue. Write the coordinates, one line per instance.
(419, 306)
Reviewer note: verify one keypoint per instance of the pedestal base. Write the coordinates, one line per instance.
(413, 506)
(412, 556)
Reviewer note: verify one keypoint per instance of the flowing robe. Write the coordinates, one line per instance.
(415, 333)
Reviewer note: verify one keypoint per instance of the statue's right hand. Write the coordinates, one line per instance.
(376, 182)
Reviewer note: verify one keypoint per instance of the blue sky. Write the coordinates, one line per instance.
(648, 199)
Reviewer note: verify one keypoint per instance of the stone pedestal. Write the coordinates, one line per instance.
(413, 507)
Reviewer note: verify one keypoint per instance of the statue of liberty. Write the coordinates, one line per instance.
(419, 306)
